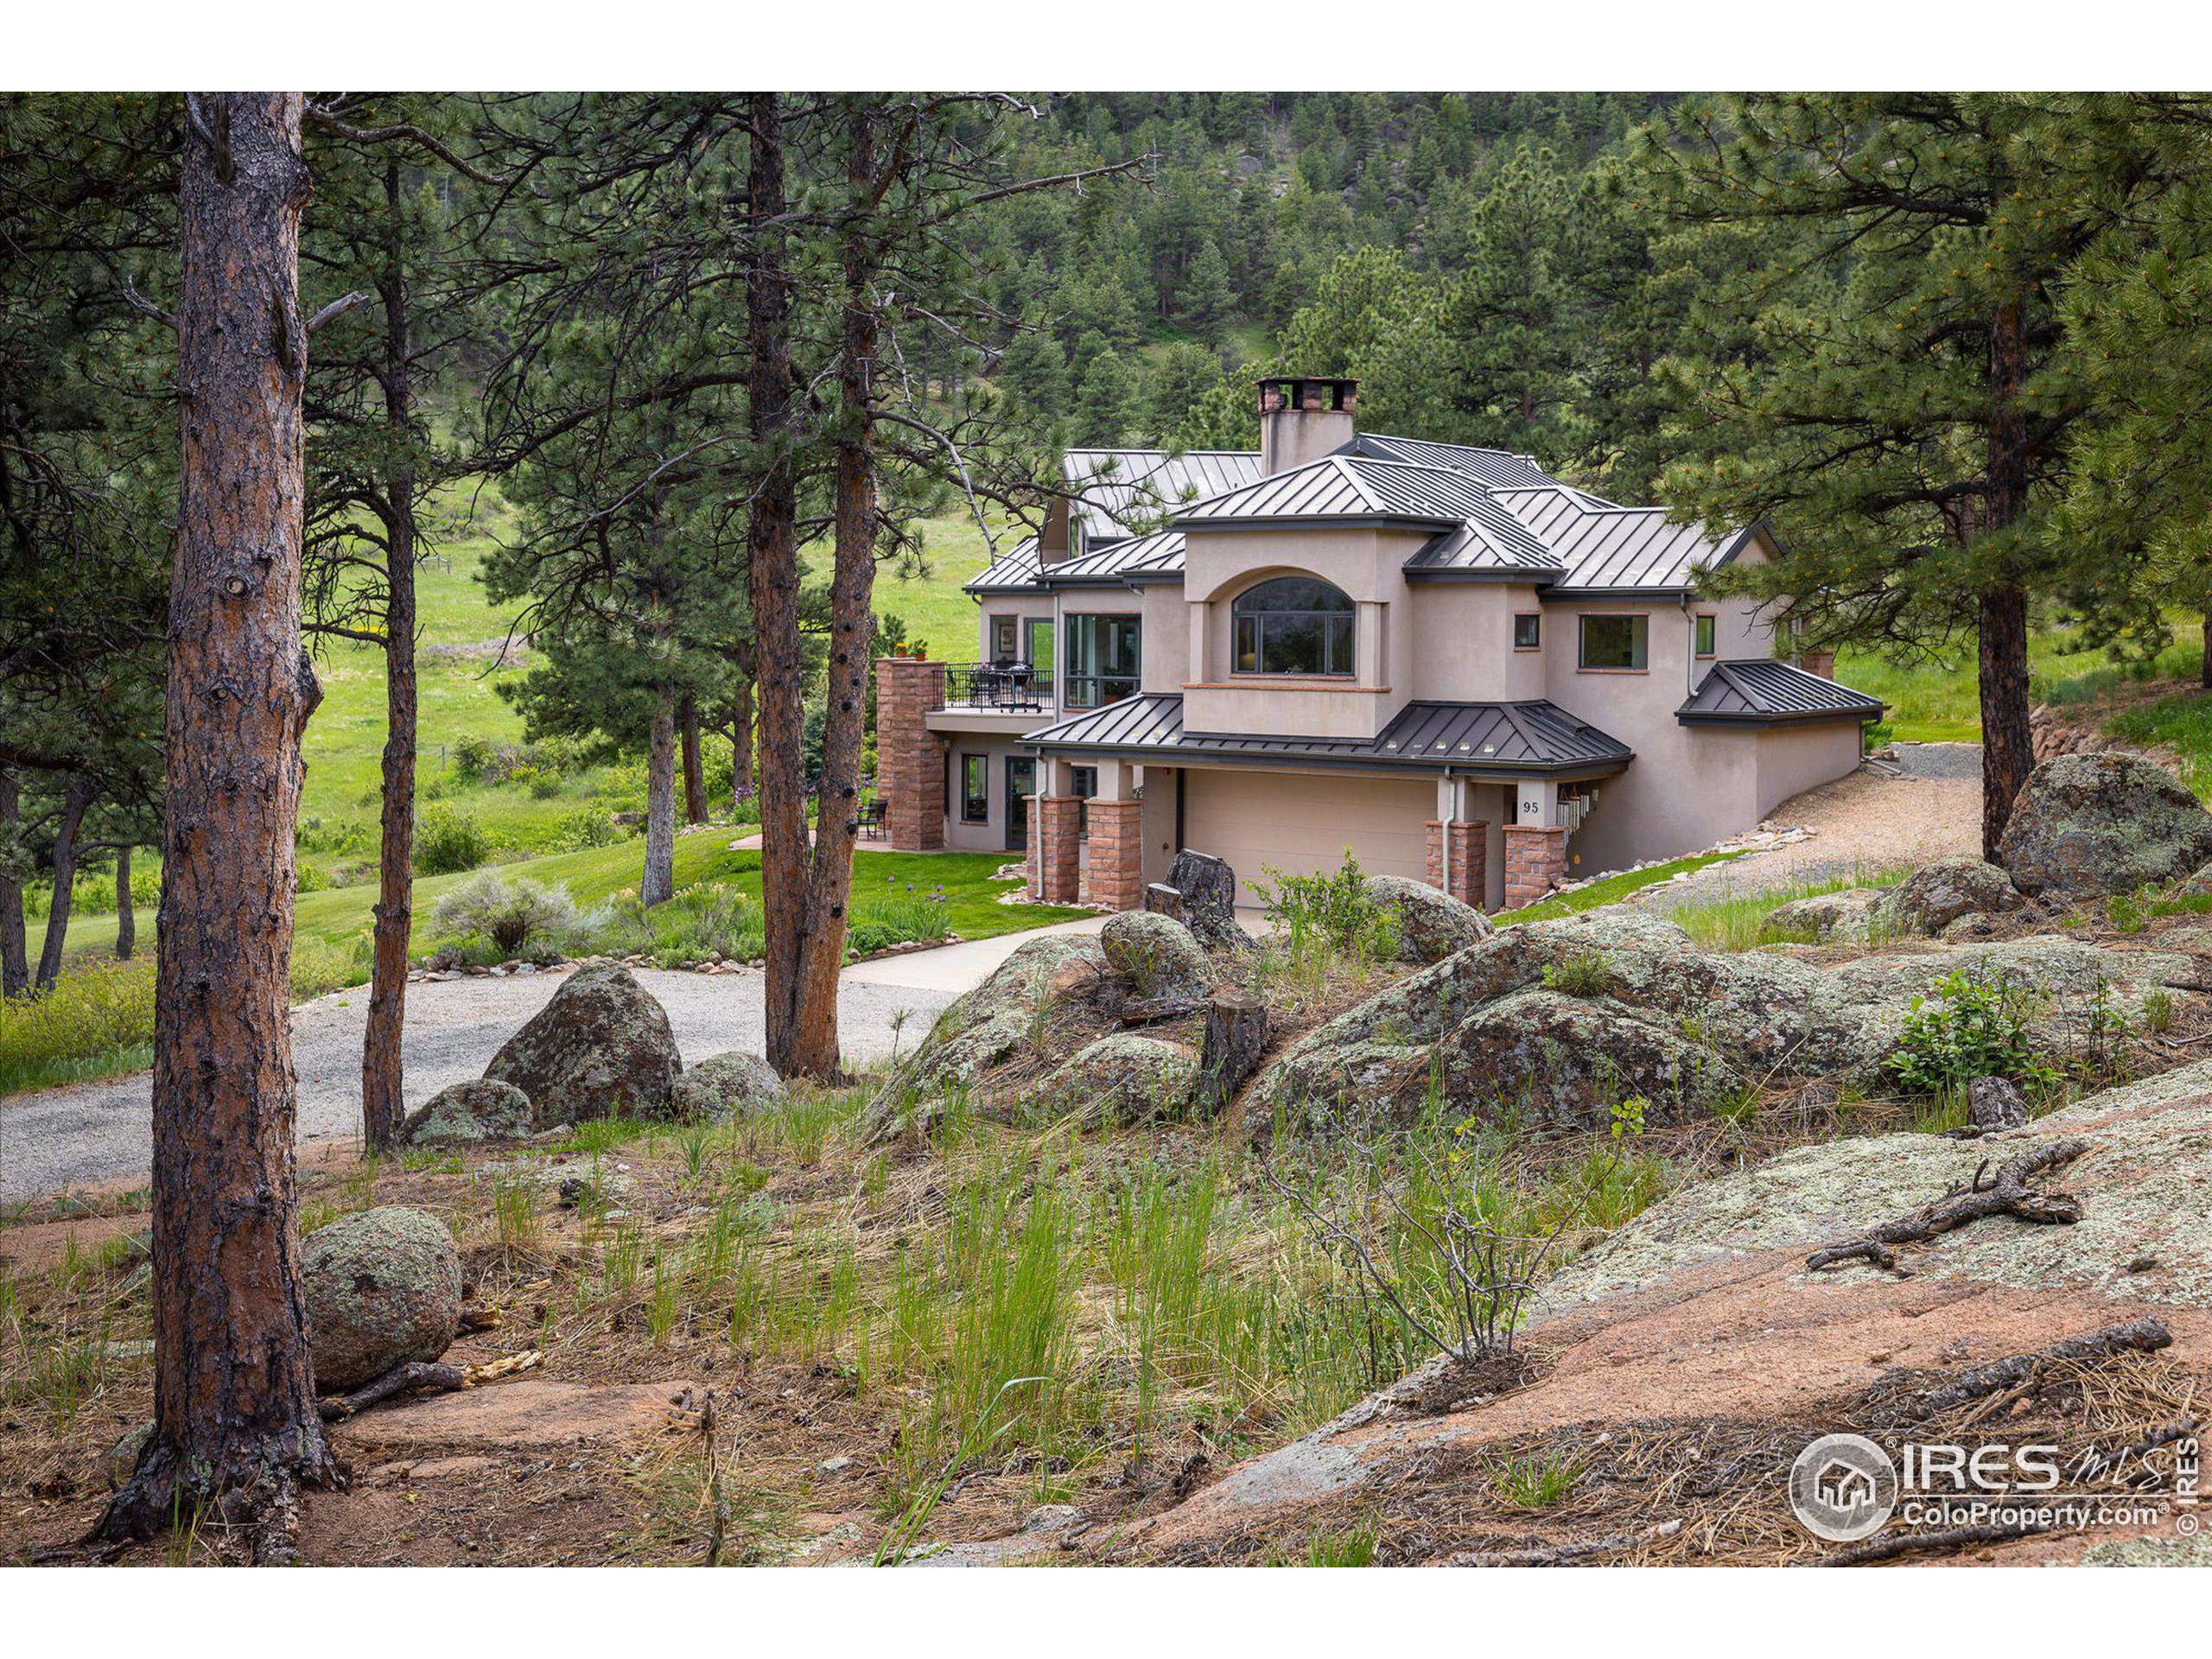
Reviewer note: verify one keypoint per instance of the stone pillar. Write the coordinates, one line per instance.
(909, 757)
(1469, 845)
(1117, 854)
(1536, 862)
(1057, 833)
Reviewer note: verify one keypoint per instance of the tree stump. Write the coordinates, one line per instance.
(1200, 892)
(1236, 1033)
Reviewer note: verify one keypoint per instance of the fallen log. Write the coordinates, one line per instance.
(2008, 1194)
(1564, 1555)
(425, 1376)
(2143, 1335)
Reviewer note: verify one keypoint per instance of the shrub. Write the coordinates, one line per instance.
(897, 919)
(1583, 973)
(703, 919)
(1335, 911)
(93, 1014)
(447, 842)
(587, 826)
(511, 914)
(1979, 1026)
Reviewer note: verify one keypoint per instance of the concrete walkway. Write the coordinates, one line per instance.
(952, 969)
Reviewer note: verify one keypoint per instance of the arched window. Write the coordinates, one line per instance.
(1293, 625)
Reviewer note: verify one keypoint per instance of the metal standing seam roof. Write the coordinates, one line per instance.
(1763, 691)
(1519, 737)
(1122, 491)
(1610, 548)
(1162, 550)
(1496, 469)
(1016, 568)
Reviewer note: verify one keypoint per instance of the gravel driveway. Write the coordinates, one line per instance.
(102, 1132)
(1867, 821)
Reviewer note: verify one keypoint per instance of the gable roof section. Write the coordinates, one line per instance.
(1522, 738)
(1012, 572)
(1122, 491)
(1608, 549)
(1118, 561)
(1494, 469)
(1765, 691)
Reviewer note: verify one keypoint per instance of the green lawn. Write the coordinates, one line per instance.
(1607, 890)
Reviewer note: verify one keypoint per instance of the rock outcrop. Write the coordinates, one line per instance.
(1849, 917)
(723, 1086)
(1554, 1022)
(2089, 824)
(1431, 923)
(1122, 1077)
(1154, 955)
(600, 1048)
(468, 1114)
(382, 1287)
(1934, 896)
(998, 1019)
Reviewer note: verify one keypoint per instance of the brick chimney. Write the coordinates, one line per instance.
(1302, 420)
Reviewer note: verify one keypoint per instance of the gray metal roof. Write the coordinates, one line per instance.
(1125, 491)
(1611, 549)
(1762, 691)
(1013, 570)
(1359, 486)
(1117, 561)
(1512, 737)
(1496, 469)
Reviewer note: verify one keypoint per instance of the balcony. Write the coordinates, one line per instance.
(1096, 691)
(1006, 689)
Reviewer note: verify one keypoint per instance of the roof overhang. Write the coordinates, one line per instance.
(1186, 753)
(1810, 717)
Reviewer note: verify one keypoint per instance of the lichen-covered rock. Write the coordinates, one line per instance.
(383, 1288)
(2199, 885)
(1564, 1017)
(1122, 1077)
(1155, 955)
(723, 1086)
(123, 1457)
(994, 1021)
(600, 1048)
(1935, 895)
(1847, 916)
(2088, 824)
(1431, 925)
(468, 1113)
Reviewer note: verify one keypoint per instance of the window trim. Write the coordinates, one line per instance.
(969, 758)
(1536, 617)
(1707, 624)
(1260, 671)
(1581, 666)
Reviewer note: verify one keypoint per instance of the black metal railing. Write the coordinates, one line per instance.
(1096, 691)
(1015, 688)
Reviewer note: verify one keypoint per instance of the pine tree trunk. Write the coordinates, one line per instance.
(383, 1100)
(772, 585)
(742, 784)
(2008, 752)
(235, 1425)
(813, 990)
(76, 800)
(126, 915)
(659, 883)
(2204, 633)
(695, 777)
(15, 956)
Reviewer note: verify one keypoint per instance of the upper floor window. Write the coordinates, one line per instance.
(1528, 631)
(1102, 660)
(1708, 627)
(1293, 624)
(1615, 642)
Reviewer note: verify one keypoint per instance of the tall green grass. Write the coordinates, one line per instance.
(1737, 921)
(97, 1021)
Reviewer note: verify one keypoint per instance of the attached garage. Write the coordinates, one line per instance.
(1301, 823)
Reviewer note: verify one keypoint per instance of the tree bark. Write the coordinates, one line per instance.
(126, 914)
(742, 784)
(236, 1431)
(76, 801)
(2204, 633)
(383, 1101)
(15, 956)
(695, 777)
(810, 996)
(659, 883)
(2008, 744)
(773, 582)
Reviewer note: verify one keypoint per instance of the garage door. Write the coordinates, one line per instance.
(1301, 824)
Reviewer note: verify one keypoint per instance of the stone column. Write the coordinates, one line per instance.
(1117, 854)
(1469, 845)
(909, 757)
(1058, 832)
(1536, 862)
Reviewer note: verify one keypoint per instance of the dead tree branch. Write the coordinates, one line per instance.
(2008, 1194)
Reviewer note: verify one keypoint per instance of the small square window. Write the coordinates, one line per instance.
(1707, 626)
(1528, 632)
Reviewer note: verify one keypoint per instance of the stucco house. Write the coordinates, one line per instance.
(1463, 669)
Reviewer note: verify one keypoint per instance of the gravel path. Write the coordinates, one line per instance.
(1865, 821)
(102, 1132)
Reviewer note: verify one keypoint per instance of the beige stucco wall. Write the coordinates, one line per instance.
(1794, 758)
(1461, 643)
(989, 837)
(991, 604)
(1301, 823)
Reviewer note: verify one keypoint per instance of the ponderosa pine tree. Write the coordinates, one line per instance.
(1908, 425)
(236, 1431)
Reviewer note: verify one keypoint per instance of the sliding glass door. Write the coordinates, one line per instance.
(1102, 660)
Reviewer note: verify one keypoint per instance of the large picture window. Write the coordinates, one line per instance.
(1101, 663)
(1617, 643)
(1293, 624)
